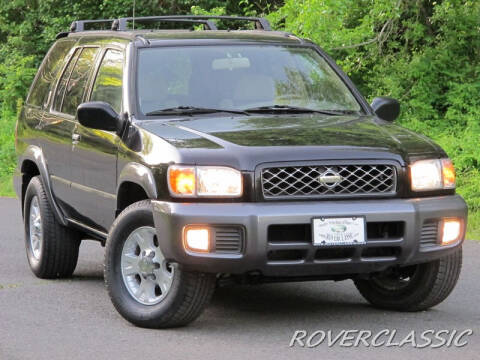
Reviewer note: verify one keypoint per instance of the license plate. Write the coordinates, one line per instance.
(338, 231)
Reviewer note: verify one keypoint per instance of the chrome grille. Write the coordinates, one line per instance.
(328, 180)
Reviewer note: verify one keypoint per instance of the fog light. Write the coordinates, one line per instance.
(451, 231)
(197, 239)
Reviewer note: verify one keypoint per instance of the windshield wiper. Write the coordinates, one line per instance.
(292, 109)
(190, 110)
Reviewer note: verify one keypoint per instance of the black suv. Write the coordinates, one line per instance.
(205, 157)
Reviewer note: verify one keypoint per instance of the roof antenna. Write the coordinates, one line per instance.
(133, 16)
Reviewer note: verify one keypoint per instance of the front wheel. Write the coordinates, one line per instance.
(413, 288)
(146, 289)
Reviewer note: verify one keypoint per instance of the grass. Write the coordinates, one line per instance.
(473, 231)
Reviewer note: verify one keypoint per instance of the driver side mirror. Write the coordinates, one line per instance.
(386, 108)
(99, 115)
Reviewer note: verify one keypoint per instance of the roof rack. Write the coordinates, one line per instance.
(205, 20)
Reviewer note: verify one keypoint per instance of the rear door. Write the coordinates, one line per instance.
(48, 132)
(68, 94)
(94, 152)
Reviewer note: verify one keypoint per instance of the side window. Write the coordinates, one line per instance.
(48, 72)
(78, 80)
(62, 84)
(108, 83)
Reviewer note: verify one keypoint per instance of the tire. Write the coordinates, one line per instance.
(178, 304)
(55, 253)
(423, 286)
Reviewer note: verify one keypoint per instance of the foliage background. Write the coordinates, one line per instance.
(424, 53)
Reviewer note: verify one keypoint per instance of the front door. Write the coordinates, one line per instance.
(94, 152)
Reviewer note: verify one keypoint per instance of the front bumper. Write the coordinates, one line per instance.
(256, 218)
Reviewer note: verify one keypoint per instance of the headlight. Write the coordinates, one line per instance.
(218, 181)
(204, 181)
(432, 175)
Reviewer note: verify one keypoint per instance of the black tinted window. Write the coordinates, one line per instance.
(48, 72)
(78, 79)
(108, 84)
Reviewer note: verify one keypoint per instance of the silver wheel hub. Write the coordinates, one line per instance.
(145, 272)
(35, 228)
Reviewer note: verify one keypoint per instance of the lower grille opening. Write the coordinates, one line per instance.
(429, 235)
(228, 239)
(334, 254)
(286, 255)
(379, 252)
(290, 233)
(385, 230)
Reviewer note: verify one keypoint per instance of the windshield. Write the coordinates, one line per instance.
(239, 77)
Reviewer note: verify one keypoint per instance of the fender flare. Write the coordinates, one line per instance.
(141, 175)
(35, 154)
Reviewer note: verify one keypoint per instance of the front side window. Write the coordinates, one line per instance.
(239, 78)
(78, 80)
(108, 83)
(71, 87)
(62, 83)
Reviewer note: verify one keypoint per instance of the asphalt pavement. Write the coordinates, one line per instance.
(74, 319)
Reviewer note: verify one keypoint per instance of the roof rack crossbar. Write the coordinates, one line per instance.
(260, 23)
(122, 23)
(78, 26)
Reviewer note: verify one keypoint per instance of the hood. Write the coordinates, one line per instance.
(326, 136)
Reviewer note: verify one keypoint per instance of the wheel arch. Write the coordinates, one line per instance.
(136, 182)
(33, 163)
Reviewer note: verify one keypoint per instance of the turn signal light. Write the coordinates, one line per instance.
(448, 174)
(181, 180)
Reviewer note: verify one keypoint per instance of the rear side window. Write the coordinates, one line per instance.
(108, 83)
(48, 73)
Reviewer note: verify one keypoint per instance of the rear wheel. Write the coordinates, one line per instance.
(144, 287)
(413, 288)
(52, 249)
